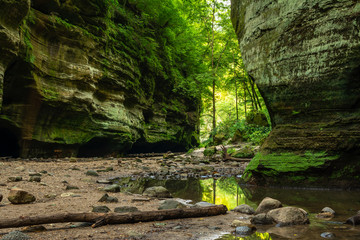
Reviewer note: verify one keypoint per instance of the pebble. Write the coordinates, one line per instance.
(35, 179)
(108, 199)
(92, 173)
(71, 187)
(34, 174)
(328, 210)
(15, 179)
(327, 235)
(112, 188)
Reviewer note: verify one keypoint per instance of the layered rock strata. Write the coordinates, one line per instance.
(72, 84)
(305, 58)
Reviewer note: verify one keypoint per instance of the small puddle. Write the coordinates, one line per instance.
(227, 191)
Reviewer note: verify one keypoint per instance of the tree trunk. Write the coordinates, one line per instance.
(212, 65)
(113, 218)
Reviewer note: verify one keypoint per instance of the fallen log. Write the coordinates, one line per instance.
(100, 219)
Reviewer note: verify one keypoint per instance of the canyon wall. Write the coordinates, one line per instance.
(75, 80)
(304, 56)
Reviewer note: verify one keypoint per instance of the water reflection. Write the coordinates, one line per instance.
(228, 192)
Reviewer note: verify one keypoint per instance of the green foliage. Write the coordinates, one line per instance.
(249, 132)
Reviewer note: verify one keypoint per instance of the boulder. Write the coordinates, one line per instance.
(289, 216)
(268, 204)
(19, 196)
(157, 191)
(261, 219)
(244, 208)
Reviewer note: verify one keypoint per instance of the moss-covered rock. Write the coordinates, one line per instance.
(209, 151)
(305, 61)
(75, 81)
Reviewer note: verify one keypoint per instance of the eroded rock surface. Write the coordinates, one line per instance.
(305, 58)
(74, 82)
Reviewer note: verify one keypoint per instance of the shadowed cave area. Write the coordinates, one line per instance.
(159, 147)
(9, 143)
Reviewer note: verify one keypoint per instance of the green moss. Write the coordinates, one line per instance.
(290, 162)
(209, 151)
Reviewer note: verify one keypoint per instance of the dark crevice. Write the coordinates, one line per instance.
(9, 143)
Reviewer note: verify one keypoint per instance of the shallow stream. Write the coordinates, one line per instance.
(227, 191)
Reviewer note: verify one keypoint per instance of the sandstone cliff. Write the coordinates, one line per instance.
(75, 81)
(305, 58)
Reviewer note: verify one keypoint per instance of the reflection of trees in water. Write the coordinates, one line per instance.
(255, 236)
(223, 191)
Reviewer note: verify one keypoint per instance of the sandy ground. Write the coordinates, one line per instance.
(50, 198)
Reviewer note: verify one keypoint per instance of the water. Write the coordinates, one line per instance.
(227, 191)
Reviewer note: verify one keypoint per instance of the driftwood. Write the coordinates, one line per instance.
(227, 157)
(100, 219)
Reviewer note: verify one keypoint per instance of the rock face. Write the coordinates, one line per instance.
(74, 81)
(305, 58)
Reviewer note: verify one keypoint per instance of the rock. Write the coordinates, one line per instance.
(328, 210)
(244, 230)
(20, 169)
(327, 235)
(204, 204)
(261, 219)
(289, 54)
(71, 187)
(36, 228)
(112, 188)
(15, 235)
(209, 151)
(242, 222)
(126, 209)
(171, 204)
(35, 179)
(31, 174)
(15, 179)
(19, 196)
(244, 208)
(92, 173)
(354, 220)
(104, 181)
(268, 204)
(101, 209)
(108, 199)
(289, 216)
(158, 192)
(325, 215)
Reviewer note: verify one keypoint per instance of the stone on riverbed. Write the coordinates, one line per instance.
(328, 210)
(204, 204)
(288, 216)
(327, 235)
(244, 208)
(354, 220)
(268, 204)
(157, 191)
(126, 209)
(261, 219)
(171, 204)
(19, 196)
(112, 188)
(108, 199)
(101, 209)
(244, 230)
